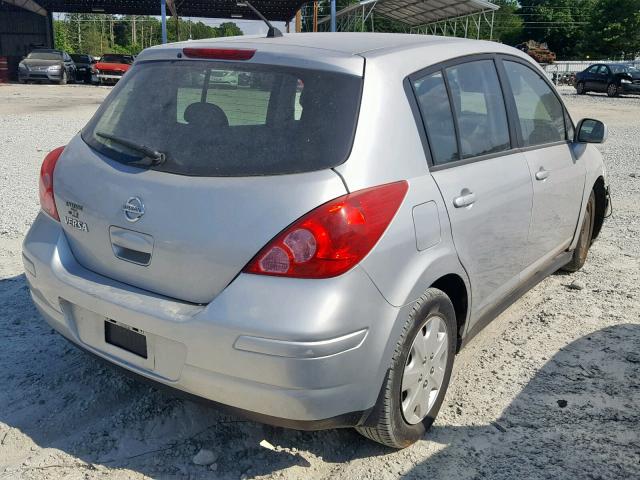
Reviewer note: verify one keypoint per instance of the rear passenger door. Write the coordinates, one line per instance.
(545, 132)
(484, 182)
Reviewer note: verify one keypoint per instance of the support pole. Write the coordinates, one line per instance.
(315, 16)
(163, 14)
(299, 21)
(493, 16)
(333, 15)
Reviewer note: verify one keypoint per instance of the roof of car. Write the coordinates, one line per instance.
(395, 53)
(352, 43)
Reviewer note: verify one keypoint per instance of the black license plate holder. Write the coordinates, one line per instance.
(126, 338)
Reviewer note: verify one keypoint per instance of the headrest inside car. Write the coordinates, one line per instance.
(205, 115)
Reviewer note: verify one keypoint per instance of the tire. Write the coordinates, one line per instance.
(612, 90)
(390, 423)
(585, 239)
(580, 90)
(63, 80)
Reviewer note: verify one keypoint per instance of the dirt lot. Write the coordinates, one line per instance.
(551, 389)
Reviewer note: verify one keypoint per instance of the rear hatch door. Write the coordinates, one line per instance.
(242, 160)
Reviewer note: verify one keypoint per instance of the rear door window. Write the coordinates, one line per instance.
(435, 109)
(479, 108)
(540, 113)
(230, 119)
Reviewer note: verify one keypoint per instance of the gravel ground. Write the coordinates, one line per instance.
(551, 389)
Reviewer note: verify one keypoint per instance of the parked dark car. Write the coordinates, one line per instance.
(47, 65)
(614, 79)
(84, 67)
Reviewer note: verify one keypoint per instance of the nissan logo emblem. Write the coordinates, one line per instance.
(133, 209)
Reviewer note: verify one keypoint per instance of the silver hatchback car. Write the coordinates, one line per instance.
(312, 243)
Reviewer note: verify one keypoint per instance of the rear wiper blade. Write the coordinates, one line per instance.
(155, 157)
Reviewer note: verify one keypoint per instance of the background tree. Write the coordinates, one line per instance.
(508, 26)
(96, 34)
(614, 30)
(559, 23)
(228, 29)
(61, 36)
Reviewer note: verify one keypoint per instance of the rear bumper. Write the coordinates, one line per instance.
(300, 353)
(341, 421)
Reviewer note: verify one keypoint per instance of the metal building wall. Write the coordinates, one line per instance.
(20, 31)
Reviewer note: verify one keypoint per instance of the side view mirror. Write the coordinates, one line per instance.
(591, 131)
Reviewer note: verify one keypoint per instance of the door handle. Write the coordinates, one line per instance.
(542, 174)
(466, 199)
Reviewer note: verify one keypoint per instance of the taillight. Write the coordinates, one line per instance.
(46, 183)
(332, 238)
(219, 53)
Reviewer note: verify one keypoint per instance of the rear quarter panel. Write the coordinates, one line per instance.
(388, 148)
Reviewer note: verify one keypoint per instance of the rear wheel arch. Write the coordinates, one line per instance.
(454, 287)
(600, 192)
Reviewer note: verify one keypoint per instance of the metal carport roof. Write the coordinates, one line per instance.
(421, 12)
(276, 10)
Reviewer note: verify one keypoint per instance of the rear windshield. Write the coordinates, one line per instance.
(45, 56)
(109, 58)
(229, 119)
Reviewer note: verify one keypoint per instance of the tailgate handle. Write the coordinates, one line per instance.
(131, 246)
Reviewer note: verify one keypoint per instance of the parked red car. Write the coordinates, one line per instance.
(112, 66)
